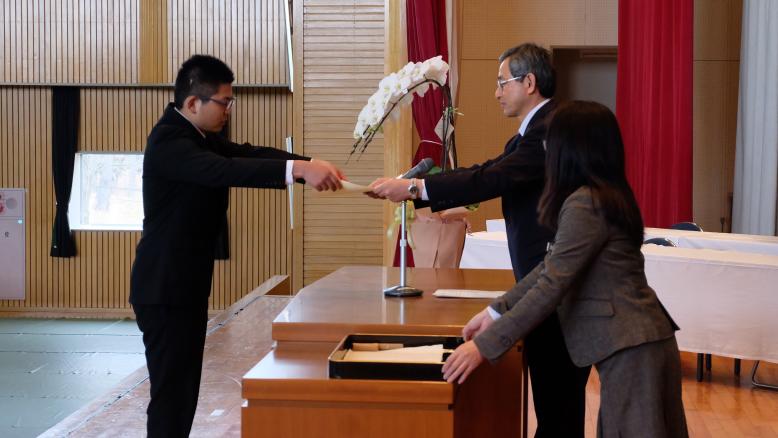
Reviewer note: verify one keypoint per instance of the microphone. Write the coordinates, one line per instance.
(423, 167)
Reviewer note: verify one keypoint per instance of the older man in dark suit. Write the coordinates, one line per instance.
(525, 85)
(187, 171)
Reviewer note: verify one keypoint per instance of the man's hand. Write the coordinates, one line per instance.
(319, 174)
(477, 324)
(393, 189)
(462, 362)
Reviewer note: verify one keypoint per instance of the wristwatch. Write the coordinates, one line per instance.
(413, 189)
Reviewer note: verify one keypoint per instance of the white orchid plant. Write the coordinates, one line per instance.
(398, 89)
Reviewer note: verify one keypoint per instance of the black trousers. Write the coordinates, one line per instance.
(558, 386)
(174, 338)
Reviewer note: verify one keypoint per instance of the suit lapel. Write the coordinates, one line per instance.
(512, 144)
(540, 117)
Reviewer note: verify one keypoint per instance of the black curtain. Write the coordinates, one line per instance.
(65, 109)
(222, 250)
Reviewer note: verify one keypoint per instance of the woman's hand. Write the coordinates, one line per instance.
(462, 362)
(477, 324)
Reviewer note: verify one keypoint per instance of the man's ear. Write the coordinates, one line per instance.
(532, 83)
(191, 103)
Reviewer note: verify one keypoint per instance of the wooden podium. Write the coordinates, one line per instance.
(289, 394)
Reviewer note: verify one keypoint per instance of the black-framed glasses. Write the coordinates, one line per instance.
(227, 103)
(501, 82)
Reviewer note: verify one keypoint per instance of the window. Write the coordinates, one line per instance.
(106, 193)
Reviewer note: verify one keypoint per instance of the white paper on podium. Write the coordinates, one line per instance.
(422, 354)
(467, 293)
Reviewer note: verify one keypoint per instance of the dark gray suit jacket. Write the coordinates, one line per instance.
(593, 276)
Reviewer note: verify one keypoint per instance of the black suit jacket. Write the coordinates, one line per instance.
(186, 180)
(517, 175)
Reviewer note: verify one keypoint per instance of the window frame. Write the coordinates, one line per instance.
(75, 207)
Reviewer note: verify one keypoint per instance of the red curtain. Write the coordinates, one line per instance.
(427, 38)
(654, 105)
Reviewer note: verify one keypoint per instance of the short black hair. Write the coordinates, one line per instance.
(200, 75)
(531, 58)
(585, 148)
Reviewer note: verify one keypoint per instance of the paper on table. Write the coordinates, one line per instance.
(464, 293)
(422, 354)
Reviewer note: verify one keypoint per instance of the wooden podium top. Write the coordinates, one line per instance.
(351, 300)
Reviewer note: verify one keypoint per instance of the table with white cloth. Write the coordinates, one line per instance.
(695, 239)
(767, 245)
(726, 302)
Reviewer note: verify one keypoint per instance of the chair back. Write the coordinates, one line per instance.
(661, 241)
(686, 226)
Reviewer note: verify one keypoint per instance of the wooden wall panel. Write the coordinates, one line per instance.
(112, 120)
(483, 130)
(489, 27)
(400, 134)
(601, 24)
(260, 238)
(153, 42)
(79, 41)
(343, 61)
(716, 77)
(248, 35)
(89, 43)
(25, 133)
(96, 42)
(119, 120)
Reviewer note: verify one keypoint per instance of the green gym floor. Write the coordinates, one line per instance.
(49, 368)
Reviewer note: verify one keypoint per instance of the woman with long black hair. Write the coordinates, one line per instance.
(593, 276)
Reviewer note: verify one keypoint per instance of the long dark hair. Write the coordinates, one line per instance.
(584, 148)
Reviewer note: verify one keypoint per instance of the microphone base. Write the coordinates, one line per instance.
(402, 291)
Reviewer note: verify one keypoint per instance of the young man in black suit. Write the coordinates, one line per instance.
(525, 86)
(188, 169)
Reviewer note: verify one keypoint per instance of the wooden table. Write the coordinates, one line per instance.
(289, 393)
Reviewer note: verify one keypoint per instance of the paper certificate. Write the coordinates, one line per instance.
(351, 187)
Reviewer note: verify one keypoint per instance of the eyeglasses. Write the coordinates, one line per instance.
(501, 83)
(227, 103)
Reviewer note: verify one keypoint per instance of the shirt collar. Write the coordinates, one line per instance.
(525, 122)
(187, 119)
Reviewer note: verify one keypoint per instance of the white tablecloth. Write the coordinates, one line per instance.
(723, 241)
(486, 250)
(495, 225)
(726, 302)
(695, 239)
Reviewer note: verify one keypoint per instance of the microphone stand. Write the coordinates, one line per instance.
(403, 290)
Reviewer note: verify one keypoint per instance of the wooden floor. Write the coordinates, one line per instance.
(721, 406)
